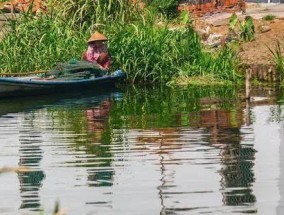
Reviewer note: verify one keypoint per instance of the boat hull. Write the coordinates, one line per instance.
(30, 86)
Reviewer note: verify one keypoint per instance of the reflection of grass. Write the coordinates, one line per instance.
(57, 210)
(156, 108)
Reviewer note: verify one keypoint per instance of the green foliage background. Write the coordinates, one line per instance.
(140, 41)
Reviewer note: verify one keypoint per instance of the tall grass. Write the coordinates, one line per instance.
(38, 43)
(151, 53)
(98, 11)
(221, 65)
(167, 8)
(278, 57)
(146, 51)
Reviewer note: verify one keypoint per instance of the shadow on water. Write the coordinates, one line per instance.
(25, 103)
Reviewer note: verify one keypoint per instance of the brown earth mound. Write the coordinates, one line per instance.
(267, 32)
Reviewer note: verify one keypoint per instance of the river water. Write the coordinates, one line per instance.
(144, 151)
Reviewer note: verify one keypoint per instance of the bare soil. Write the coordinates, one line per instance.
(256, 51)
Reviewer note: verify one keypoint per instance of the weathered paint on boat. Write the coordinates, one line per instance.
(14, 86)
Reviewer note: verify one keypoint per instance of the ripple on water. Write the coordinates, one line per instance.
(168, 153)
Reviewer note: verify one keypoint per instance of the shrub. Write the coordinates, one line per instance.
(269, 17)
(166, 7)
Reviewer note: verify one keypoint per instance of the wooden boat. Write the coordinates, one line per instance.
(32, 85)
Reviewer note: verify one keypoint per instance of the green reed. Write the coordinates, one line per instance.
(99, 11)
(38, 43)
(155, 53)
(277, 56)
(148, 52)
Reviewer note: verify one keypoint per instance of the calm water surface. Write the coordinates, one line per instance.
(154, 151)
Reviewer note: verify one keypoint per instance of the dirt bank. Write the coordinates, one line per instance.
(256, 51)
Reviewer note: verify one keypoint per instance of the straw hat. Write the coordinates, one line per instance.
(97, 36)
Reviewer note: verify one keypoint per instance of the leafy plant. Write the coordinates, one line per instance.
(233, 22)
(247, 29)
(185, 18)
(277, 57)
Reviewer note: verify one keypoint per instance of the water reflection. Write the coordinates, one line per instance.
(147, 151)
(30, 155)
(98, 132)
(97, 118)
(237, 158)
(211, 126)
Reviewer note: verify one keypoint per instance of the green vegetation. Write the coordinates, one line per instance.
(166, 7)
(233, 21)
(269, 17)
(148, 52)
(246, 27)
(277, 57)
(38, 43)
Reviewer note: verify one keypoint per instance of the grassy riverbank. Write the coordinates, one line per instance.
(147, 51)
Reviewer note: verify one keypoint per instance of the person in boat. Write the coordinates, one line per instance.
(97, 51)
